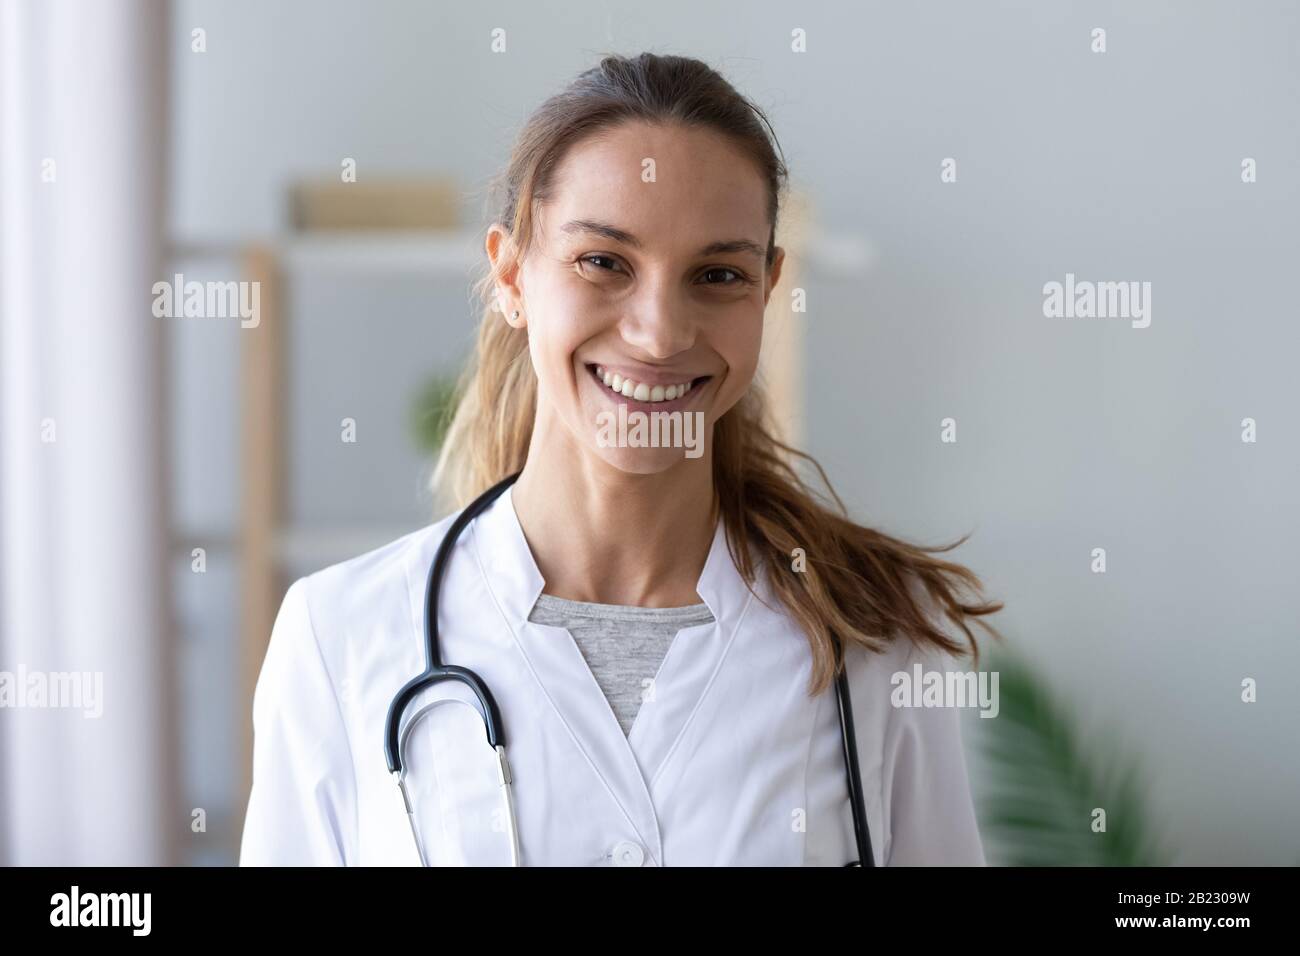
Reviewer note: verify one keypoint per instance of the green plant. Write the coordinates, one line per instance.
(1043, 784)
(431, 412)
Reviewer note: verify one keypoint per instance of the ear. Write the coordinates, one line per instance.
(510, 293)
(774, 273)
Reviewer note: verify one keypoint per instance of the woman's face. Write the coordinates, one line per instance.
(646, 275)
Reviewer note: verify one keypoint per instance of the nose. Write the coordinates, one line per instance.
(659, 322)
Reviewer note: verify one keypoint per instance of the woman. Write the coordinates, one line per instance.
(661, 625)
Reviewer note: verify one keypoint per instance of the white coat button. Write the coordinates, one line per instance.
(628, 853)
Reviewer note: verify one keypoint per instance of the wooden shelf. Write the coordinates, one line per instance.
(457, 252)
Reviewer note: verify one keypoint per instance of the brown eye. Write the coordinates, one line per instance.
(738, 277)
(594, 257)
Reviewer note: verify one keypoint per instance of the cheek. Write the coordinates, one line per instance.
(739, 344)
(571, 316)
(549, 330)
(555, 333)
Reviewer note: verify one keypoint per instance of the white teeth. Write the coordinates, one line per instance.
(640, 391)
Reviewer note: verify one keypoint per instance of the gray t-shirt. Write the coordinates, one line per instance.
(623, 646)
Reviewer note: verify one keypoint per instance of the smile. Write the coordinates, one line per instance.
(616, 384)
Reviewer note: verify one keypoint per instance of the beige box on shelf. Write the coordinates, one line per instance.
(384, 204)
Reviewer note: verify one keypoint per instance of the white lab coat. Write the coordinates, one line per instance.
(728, 763)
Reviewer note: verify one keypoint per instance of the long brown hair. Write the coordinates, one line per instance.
(859, 584)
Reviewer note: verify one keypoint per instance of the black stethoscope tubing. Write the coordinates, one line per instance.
(435, 672)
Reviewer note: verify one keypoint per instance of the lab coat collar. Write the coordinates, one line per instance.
(517, 583)
(628, 766)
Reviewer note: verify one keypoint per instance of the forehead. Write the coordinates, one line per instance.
(704, 187)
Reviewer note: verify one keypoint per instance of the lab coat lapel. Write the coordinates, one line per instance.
(627, 765)
(558, 666)
(693, 660)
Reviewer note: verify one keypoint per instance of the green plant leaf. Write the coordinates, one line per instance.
(432, 411)
(1043, 783)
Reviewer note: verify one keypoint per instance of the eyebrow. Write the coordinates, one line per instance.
(721, 247)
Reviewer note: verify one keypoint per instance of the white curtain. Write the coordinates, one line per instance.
(83, 568)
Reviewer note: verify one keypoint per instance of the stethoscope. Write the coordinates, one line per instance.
(435, 671)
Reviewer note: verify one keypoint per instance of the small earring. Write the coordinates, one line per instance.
(514, 315)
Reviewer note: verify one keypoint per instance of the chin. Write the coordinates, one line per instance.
(644, 461)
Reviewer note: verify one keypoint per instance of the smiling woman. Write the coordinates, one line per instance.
(628, 272)
(638, 235)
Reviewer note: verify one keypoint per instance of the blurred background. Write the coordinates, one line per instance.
(164, 478)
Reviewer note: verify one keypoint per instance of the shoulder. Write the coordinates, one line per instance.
(374, 593)
(906, 655)
(359, 608)
(866, 664)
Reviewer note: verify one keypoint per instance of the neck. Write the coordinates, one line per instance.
(603, 535)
